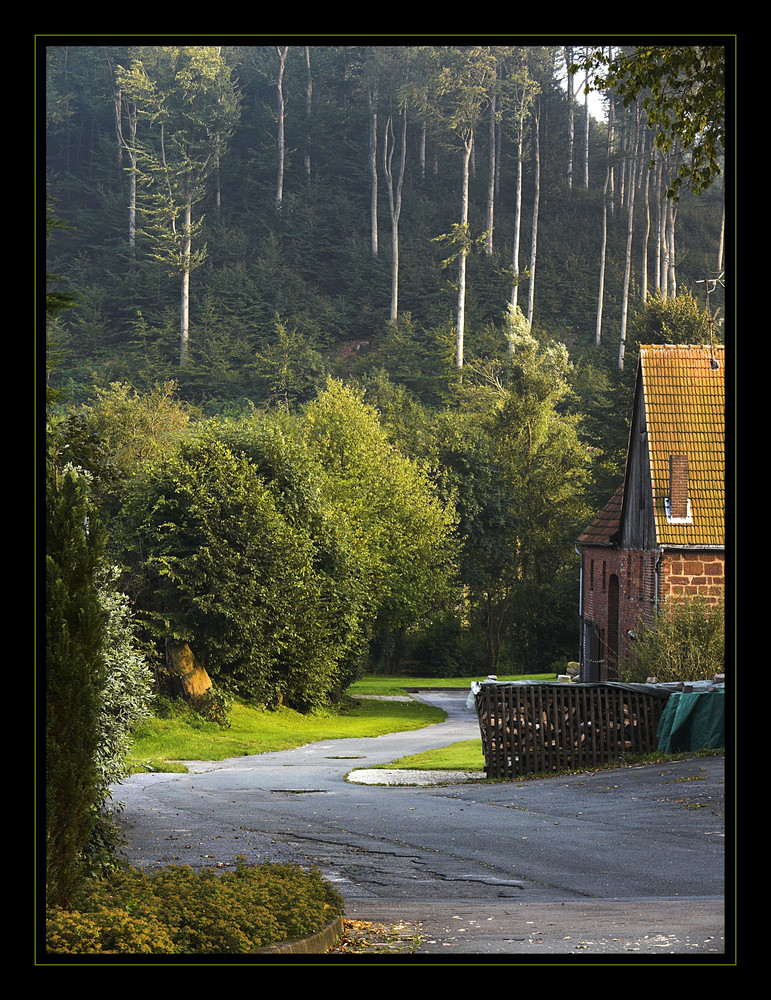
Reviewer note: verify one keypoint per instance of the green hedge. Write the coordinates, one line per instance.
(176, 911)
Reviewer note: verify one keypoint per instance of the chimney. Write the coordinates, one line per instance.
(678, 486)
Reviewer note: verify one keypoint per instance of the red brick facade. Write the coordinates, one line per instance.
(622, 588)
(689, 574)
(661, 537)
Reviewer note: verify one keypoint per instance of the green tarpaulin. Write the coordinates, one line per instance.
(692, 720)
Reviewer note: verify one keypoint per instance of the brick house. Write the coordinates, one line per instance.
(662, 535)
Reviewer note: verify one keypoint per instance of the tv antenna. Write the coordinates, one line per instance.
(710, 284)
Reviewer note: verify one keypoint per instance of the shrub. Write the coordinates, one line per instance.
(685, 642)
(178, 911)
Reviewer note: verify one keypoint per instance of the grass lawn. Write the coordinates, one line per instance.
(164, 743)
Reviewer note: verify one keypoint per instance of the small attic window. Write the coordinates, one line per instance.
(677, 504)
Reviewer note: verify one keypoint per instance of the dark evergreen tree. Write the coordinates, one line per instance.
(75, 675)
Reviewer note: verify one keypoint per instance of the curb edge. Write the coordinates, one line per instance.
(315, 944)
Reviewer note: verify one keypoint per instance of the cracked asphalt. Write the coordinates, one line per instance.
(628, 861)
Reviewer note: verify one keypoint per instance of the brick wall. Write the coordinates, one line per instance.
(691, 574)
(681, 575)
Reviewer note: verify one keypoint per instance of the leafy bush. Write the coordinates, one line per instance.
(178, 911)
(685, 642)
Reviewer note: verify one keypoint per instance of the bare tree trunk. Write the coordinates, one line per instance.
(184, 305)
(721, 245)
(631, 185)
(422, 150)
(646, 235)
(282, 53)
(536, 205)
(671, 274)
(372, 98)
(586, 132)
(603, 252)
(491, 179)
(612, 147)
(395, 200)
(468, 146)
(657, 271)
(518, 211)
(133, 180)
(571, 114)
(308, 110)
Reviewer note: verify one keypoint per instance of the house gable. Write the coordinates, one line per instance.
(661, 535)
(683, 392)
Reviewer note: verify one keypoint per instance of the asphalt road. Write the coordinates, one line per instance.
(627, 862)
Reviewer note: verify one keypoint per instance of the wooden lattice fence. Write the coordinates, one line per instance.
(540, 728)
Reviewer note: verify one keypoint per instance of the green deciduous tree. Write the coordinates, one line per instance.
(401, 530)
(236, 558)
(135, 426)
(682, 89)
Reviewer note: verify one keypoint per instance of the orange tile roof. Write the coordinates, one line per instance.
(603, 529)
(684, 398)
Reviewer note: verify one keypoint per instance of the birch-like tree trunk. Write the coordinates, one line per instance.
(671, 272)
(647, 233)
(282, 51)
(586, 132)
(372, 99)
(630, 185)
(184, 303)
(536, 206)
(571, 114)
(721, 244)
(308, 112)
(395, 199)
(491, 178)
(603, 245)
(468, 145)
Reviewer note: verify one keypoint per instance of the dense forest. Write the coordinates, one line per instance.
(344, 335)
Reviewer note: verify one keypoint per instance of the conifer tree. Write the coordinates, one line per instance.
(74, 678)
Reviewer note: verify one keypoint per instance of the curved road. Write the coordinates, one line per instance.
(629, 860)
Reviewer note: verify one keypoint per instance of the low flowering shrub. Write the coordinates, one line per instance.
(176, 911)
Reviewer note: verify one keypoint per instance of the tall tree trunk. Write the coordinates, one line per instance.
(536, 205)
(630, 184)
(491, 179)
(184, 305)
(282, 53)
(671, 273)
(372, 99)
(586, 132)
(518, 211)
(459, 336)
(308, 111)
(603, 252)
(647, 233)
(133, 178)
(395, 199)
(721, 245)
(571, 114)
(612, 148)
